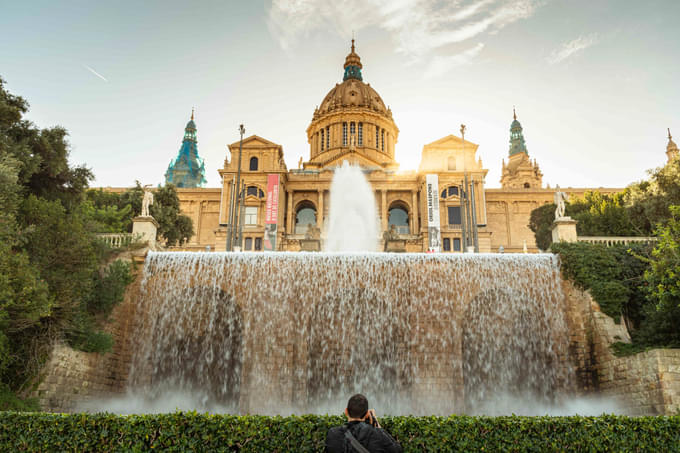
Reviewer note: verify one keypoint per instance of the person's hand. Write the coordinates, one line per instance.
(372, 418)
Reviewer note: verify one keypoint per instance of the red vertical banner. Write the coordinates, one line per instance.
(272, 214)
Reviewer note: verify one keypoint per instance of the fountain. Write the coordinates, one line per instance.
(284, 332)
(353, 225)
(280, 333)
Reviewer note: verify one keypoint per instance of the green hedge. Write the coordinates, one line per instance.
(204, 432)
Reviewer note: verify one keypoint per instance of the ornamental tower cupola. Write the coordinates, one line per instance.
(520, 172)
(352, 124)
(671, 148)
(187, 170)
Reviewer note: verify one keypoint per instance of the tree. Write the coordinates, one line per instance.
(540, 222)
(662, 326)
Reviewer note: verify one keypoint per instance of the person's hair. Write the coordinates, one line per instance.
(357, 406)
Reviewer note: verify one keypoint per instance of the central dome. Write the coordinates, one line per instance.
(352, 123)
(352, 93)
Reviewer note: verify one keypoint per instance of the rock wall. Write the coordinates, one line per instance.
(72, 378)
(647, 383)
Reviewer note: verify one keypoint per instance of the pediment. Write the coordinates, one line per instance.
(450, 141)
(255, 141)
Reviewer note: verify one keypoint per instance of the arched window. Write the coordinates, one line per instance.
(322, 139)
(328, 137)
(450, 192)
(344, 134)
(377, 138)
(352, 128)
(254, 191)
(360, 137)
(253, 164)
(527, 185)
(304, 215)
(382, 140)
(398, 216)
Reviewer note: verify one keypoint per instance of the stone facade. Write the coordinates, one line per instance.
(353, 124)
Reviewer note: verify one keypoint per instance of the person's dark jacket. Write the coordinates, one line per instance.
(376, 440)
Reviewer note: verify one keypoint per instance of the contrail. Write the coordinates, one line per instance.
(95, 73)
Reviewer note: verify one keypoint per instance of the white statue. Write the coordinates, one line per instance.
(560, 198)
(147, 201)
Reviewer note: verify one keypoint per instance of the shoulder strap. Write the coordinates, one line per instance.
(355, 443)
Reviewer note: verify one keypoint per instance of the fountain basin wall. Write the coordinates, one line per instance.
(275, 336)
(283, 332)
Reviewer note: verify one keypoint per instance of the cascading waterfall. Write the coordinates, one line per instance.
(277, 333)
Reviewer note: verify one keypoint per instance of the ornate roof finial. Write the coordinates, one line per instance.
(192, 113)
(514, 115)
(670, 137)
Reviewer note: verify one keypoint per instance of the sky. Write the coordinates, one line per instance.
(594, 83)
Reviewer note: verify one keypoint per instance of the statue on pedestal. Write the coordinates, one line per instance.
(313, 233)
(147, 201)
(560, 198)
(391, 234)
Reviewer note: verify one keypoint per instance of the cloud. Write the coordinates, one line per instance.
(422, 30)
(571, 48)
(441, 64)
(95, 73)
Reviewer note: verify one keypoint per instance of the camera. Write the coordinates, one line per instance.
(370, 419)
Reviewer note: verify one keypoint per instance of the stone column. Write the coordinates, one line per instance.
(383, 209)
(414, 213)
(319, 213)
(289, 225)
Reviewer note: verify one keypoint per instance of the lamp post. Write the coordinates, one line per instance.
(236, 196)
(470, 216)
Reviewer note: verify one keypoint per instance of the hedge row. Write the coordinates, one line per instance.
(21, 431)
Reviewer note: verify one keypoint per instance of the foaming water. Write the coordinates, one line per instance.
(281, 333)
(352, 218)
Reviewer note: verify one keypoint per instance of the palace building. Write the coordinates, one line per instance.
(353, 124)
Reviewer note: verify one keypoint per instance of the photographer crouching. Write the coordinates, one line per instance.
(362, 432)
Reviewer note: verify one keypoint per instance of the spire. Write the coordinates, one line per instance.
(187, 169)
(517, 144)
(352, 65)
(671, 149)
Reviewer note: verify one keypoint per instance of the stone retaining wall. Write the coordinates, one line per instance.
(72, 378)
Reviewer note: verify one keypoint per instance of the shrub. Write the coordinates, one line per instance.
(252, 433)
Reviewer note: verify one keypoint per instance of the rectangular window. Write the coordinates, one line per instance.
(447, 244)
(250, 217)
(344, 134)
(454, 215)
(322, 139)
(456, 244)
(328, 137)
(360, 139)
(258, 244)
(248, 244)
(382, 141)
(377, 130)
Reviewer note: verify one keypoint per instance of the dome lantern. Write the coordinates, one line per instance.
(352, 65)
